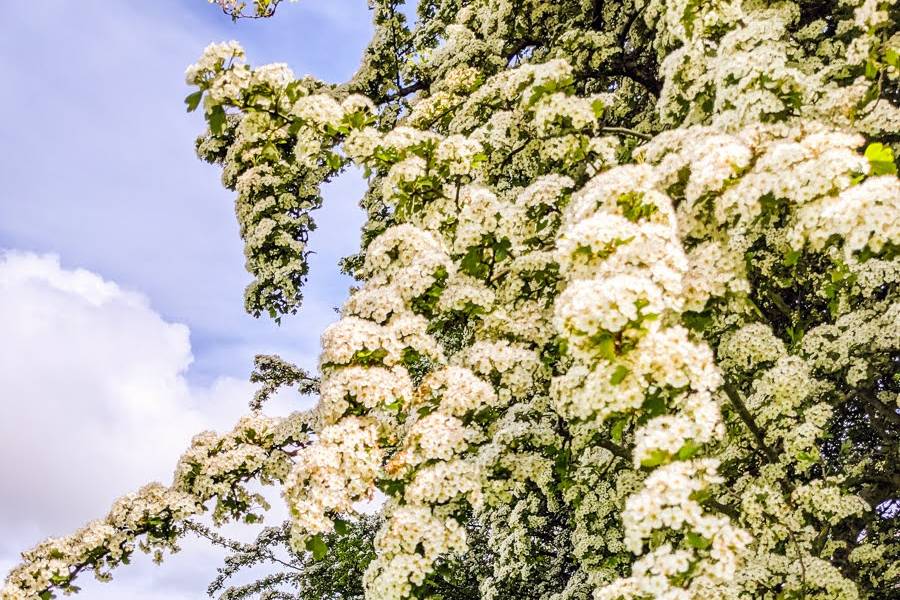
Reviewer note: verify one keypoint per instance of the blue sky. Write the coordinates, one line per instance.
(99, 167)
(122, 329)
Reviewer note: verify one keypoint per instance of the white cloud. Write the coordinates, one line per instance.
(94, 404)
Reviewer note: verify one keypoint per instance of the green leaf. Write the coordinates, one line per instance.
(563, 462)
(871, 69)
(317, 546)
(619, 374)
(689, 16)
(369, 357)
(270, 152)
(689, 449)
(617, 429)
(425, 410)
(216, 118)
(881, 159)
(341, 526)
(795, 333)
(391, 487)
(501, 249)
(700, 496)
(791, 258)
(892, 58)
(473, 264)
(333, 161)
(698, 321)
(870, 95)
(653, 406)
(697, 541)
(193, 100)
(656, 457)
(606, 346)
(633, 207)
(46, 595)
(804, 456)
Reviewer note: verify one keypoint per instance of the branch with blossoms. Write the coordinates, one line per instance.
(261, 9)
(274, 373)
(153, 518)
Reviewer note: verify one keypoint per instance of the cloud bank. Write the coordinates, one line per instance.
(95, 400)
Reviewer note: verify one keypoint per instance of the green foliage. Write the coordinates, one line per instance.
(881, 159)
(332, 566)
(317, 546)
(216, 119)
(193, 100)
(633, 207)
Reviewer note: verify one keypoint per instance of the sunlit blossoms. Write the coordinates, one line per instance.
(627, 303)
(215, 467)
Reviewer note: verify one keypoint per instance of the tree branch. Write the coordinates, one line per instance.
(616, 449)
(232, 545)
(735, 397)
(882, 408)
(404, 91)
(626, 131)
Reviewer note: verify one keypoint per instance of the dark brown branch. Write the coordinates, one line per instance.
(621, 68)
(723, 508)
(508, 158)
(883, 409)
(404, 91)
(738, 403)
(802, 563)
(616, 449)
(597, 15)
(651, 84)
(779, 303)
(626, 28)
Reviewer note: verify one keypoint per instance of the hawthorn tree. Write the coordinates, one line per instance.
(628, 301)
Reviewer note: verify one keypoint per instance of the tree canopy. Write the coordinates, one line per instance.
(628, 315)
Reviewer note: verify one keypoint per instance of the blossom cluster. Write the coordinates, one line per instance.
(624, 264)
(274, 137)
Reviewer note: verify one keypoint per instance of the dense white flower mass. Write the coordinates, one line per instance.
(332, 474)
(627, 302)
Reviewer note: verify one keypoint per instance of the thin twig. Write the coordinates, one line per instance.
(625, 131)
(233, 545)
